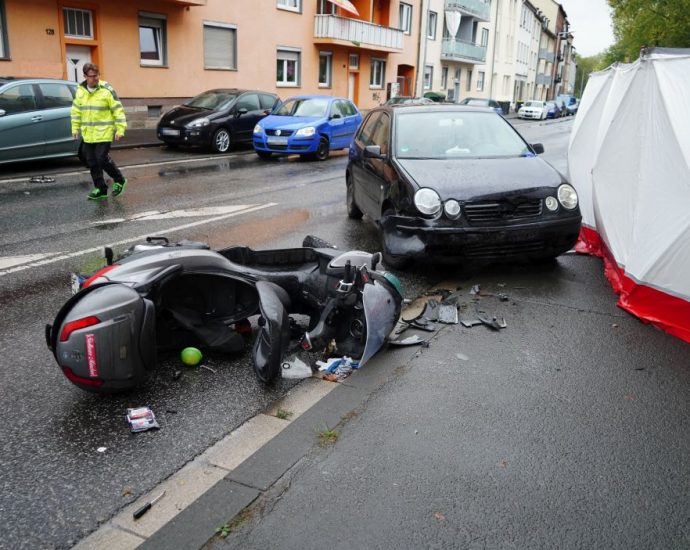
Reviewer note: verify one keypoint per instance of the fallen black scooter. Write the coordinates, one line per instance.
(161, 295)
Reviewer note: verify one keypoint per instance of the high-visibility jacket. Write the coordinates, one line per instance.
(98, 115)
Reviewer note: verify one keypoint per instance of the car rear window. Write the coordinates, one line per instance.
(456, 134)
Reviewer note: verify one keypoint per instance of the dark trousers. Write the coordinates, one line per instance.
(97, 156)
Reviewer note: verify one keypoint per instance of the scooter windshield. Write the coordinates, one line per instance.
(380, 313)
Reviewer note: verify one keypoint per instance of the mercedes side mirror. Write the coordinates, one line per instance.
(538, 148)
(240, 112)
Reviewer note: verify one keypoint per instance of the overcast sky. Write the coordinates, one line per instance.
(590, 22)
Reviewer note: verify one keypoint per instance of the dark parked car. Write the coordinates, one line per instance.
(216, 118)
(457, 183)
(35, 119)
(481, 102)
(554, 111)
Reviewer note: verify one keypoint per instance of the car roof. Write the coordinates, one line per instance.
(315, 96)
(32, 80)
(436, 107)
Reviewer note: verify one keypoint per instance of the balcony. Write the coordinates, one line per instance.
(331, 29)
(476, 8)
(548, 55)
(543, 80)
(459, 50)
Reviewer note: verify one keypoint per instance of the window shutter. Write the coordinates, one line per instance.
(219, 48)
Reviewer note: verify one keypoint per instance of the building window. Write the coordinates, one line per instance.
(4, 48)
(431, 25)
(287, 68)
(325, 69)
(152, 39)
(480, 81)
(353, 61)
(326, 7)
(428, 76)
(78, 23)
(485, 37)
(405, 18)
(378, 73)
(468, 86)
(444, 78)
(220, 46)
(292, 5)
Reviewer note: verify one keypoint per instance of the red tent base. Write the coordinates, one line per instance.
(665, 311)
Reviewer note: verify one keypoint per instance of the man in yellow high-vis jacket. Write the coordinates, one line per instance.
(98, 117)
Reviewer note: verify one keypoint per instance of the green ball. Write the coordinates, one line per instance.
(191, 356)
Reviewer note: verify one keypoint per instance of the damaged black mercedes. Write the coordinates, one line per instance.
(456, 183)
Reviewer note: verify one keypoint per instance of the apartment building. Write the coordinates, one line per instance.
(455, 40)
(158, 52)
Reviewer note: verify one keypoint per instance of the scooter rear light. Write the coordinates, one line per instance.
(76, 379)
(70, 327)
(98, 274)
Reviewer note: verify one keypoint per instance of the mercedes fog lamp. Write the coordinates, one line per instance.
(452, 209)
(427, 201)
(567, 196)
(199, 122)
(551, 203)
(306, 132)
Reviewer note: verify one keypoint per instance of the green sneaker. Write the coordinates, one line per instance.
(119, 188)
(98, 195)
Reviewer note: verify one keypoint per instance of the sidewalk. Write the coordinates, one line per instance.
(138, 137)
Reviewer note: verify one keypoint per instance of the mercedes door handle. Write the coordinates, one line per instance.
(36, 118)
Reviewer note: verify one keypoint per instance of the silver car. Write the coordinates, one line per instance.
(35, 119)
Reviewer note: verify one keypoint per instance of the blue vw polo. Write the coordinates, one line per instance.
(311, 125)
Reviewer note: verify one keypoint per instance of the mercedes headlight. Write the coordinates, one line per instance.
(567, 196)
(199, 122)
(427, 201)
(306, 132)
(258, 129)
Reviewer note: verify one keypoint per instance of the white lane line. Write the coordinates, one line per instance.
(10, 261)
(132, 239)
(128, 166)
(188, 213)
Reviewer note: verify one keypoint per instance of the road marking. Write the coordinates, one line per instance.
(11, 261)
(144, 165)
(247, 209)
(189, 213)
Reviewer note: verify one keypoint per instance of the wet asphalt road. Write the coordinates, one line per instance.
(56, 486)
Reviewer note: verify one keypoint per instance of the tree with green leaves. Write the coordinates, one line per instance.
(650, 23)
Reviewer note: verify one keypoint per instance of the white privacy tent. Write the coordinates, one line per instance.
(629, 159)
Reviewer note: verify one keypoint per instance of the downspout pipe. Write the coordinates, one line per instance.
(493, 50)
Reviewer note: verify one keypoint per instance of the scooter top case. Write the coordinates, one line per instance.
(104, 338)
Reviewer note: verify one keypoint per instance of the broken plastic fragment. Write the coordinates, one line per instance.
(476, 289)
(409, 341)
(295, 368)
(448, 313)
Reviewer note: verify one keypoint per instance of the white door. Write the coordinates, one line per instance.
(76, 57)
(351, 86)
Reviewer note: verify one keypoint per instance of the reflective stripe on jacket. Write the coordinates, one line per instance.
(98, 115)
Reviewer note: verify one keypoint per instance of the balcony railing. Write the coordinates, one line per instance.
(543, 80)
(480, 9)
(460, 50)
(546, 54)
(360, 33)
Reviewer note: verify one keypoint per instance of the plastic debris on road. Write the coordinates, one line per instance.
(141, 419)
(295, 368)
(340, 367)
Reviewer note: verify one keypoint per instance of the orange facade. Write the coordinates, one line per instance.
(45, 40)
